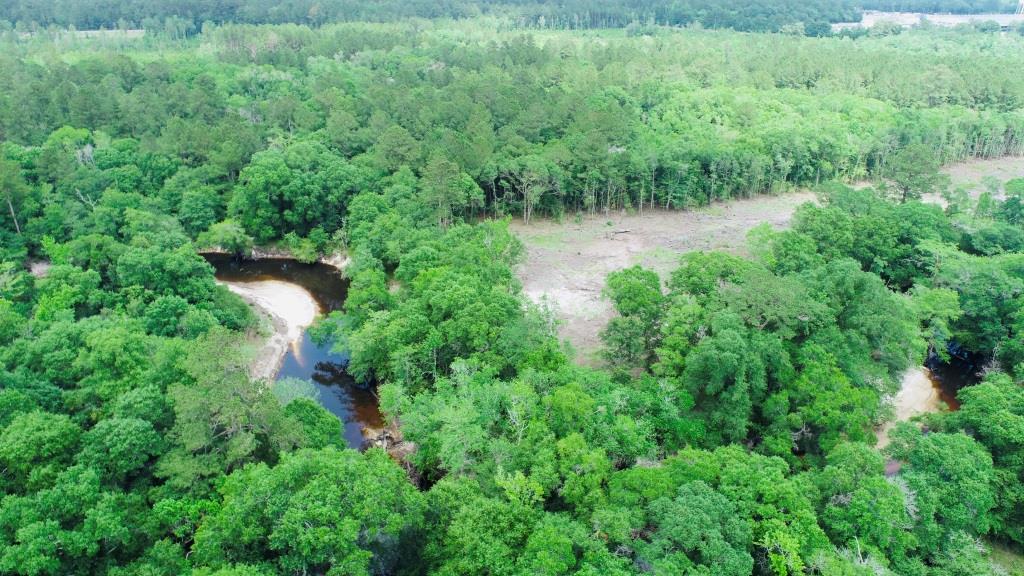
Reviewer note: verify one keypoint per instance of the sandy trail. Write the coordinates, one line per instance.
(291, 310)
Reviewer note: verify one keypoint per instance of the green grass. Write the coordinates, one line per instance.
(555, 239)
(659, 258)
(1008, 558)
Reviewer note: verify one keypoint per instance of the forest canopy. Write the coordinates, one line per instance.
(730, 426)
(757, 15)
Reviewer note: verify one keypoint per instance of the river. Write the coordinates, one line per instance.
(930, 388)
(292, 294)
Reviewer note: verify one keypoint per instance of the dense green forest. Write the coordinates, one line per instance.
(757, 15)
(730, 430)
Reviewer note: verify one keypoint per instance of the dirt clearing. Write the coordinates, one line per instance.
(971, 175)
(566, 263)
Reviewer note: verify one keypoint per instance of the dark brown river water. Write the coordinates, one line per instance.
(356, 406)
(950, 377)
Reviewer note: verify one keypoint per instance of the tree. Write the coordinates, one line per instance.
(914, 172)
(531, 177)
(14, 190)
(396, 147)
(36, 446)
(953, 480)
(223, 420)
(440, 187)
(227, 235)
(698, 530)
(632, 337)
(199, 209)
(326, 511)
(858, 507)
(296, 189)
(993, 413)
(117, 447)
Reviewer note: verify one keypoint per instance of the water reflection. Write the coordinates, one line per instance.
(324, 282)
(356, 406)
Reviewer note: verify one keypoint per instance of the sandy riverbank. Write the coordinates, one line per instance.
(917, 395)
(290, 308)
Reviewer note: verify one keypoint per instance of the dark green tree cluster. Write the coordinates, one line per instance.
(963, 269)
(514, 126)
(792, 363)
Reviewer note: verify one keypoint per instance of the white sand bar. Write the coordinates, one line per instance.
(291, 309)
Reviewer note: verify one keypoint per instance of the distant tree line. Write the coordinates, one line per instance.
(756, 15)
(645, 122)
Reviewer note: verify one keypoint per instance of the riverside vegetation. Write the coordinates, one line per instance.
(730, 429)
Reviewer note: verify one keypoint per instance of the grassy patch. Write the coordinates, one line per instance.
(1009, 559)
(659, 258)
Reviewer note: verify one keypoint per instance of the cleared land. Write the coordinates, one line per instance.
(914, 18)
(567, 262)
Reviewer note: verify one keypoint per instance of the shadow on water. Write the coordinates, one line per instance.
(962, 370)
(356, 406)
(322, 281)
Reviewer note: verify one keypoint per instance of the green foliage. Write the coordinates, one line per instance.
(757, 353)
(293, 190)
(176, 19)
(287, 390)
(992, 412)
(730, 433)
(952, 477)
(329, 511)
(223, 420)
(116, 447)
(697, 532)
(632, 336)
(227, 235)
(35, 446)
(914, 172)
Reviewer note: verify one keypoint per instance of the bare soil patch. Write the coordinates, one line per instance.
(567, 262)
(971, 174)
